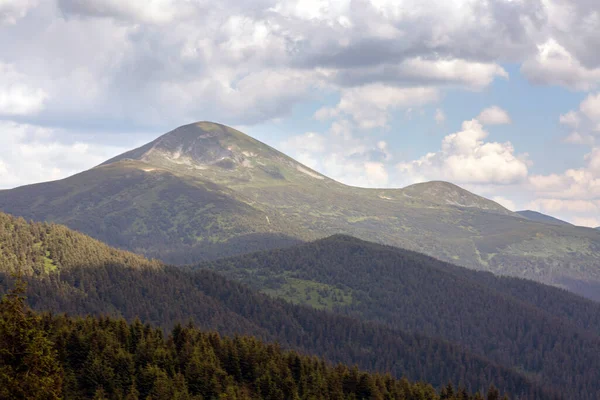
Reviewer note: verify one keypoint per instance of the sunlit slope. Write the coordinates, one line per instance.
(206, 190)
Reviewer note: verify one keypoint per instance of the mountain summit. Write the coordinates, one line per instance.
(217, 152)
(446, 193)
(206, 190)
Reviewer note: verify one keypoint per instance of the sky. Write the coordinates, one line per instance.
(501, 97)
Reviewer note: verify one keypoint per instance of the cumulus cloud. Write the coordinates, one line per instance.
(421, 71)
(309, 141)
(31, 154)
(554, 65)
(466, 158)
(590, 222)
(342, 155)
(440, 116)
(369, 106)
(16, 96)
(158, 63)
(584, 123)
(12, 10)
(573, 184)
(494, 116)
(507, 203)
(558, 205)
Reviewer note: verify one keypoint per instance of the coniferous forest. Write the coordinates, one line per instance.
(54, 357)
(70, 272)
(86, 277)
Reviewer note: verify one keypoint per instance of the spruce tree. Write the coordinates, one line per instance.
(28, 363)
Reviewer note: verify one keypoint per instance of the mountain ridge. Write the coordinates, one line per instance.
(69, 272)
(208, 191)
(539, 217)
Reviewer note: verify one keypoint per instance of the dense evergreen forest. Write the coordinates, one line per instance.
(54, 357)
(119, 284)
(545, 332)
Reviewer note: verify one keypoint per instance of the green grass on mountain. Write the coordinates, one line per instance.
(310, 293)
(205, 191)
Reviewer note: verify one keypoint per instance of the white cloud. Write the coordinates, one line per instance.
(376, 174)
(570, 119)
(16, 96)
(590, 222)
(369, 106)
(473, 75)
(507, 203)
(584, 123)
(159, 63)
(494, 116)
(31, 154)
(309, 141)
(13, 10)
(440, 116)
(554, 65)
(560, 205)
(339, 154)
(466, 158)
(590, 107)
(573, 184)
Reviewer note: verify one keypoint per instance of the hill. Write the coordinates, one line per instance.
(205, 190)
(104, 358)
(88, 277)
(514, 322)
(539, 217)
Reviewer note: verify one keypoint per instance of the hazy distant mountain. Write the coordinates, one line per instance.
(539, 217)
(206, 190)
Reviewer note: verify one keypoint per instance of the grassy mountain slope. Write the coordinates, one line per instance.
(205, 190)
(539, 217)
(513, 322)
(89, 277)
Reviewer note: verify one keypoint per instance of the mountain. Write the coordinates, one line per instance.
(514, 322)
(204, 191)
(539, 217)
(70, 272)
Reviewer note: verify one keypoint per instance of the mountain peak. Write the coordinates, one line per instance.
(200, 144)
(446, 193)
(217, 151)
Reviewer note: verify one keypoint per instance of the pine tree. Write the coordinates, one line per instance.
(28, 363)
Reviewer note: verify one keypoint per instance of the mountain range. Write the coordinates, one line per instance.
(68, 272)
(205, 191)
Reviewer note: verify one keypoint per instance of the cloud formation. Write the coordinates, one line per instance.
(584, 123)
(76, 67)
(30, 154)
(159, 63)
(466, 158)
(369, 106)
(494, 116)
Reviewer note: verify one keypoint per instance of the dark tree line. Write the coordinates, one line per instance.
(91, 278)
(54, 357)
(547, 333)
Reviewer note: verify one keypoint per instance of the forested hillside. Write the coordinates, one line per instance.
(545, 332)
(103, 358)
(205, 191)
(127, 286)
